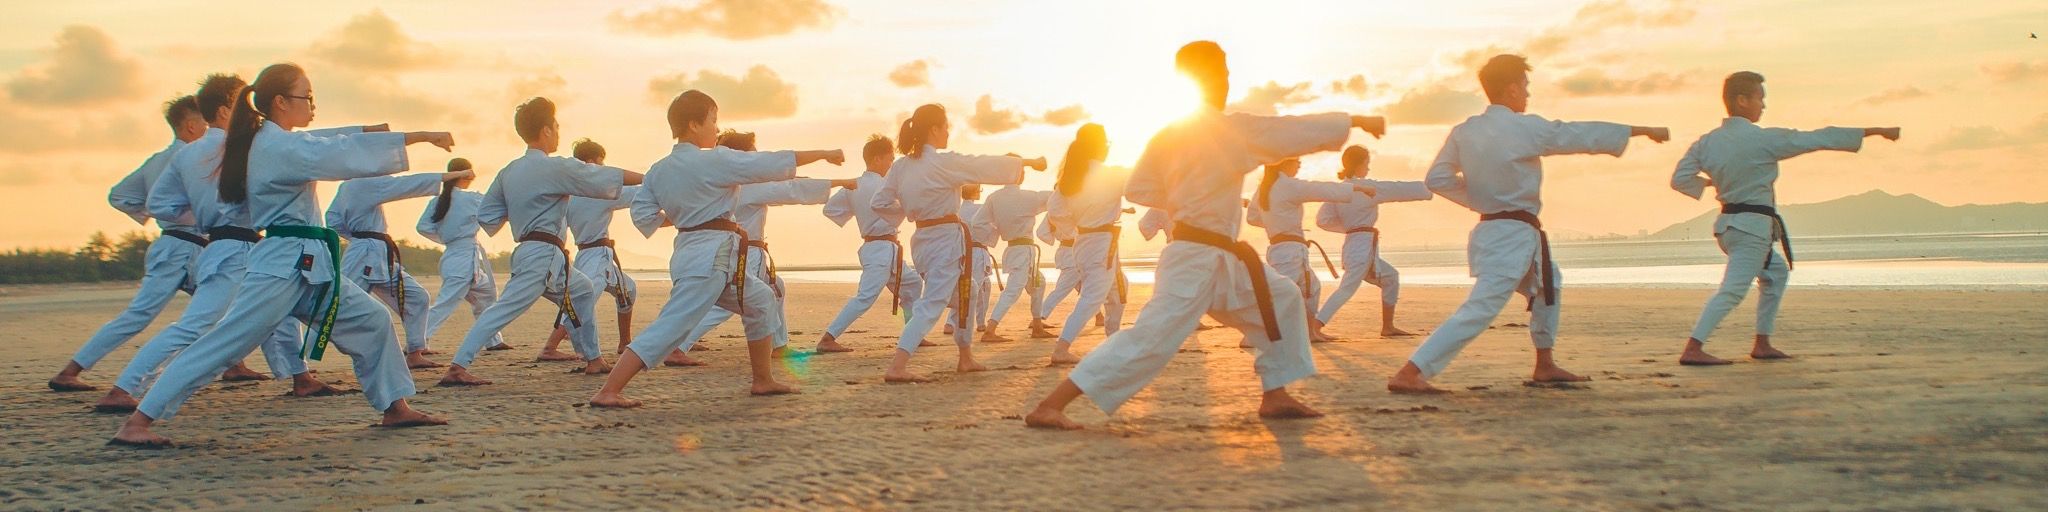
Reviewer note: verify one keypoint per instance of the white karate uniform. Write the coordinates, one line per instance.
(1742, 158)
(1194, 169)
(532, 193)
(876, 256)
(188, 192)
(590, 220)
(982, 232)
(167, 267)
(1060, 235)
(295, 277)
(358, 206)
(689, 187)
(1014, 211)
(1362, 263)
(1154, 222)
(1492, 163)
(1286, 202)
(751, 212)
(925, 188)
(1099, 203)
(465, 269)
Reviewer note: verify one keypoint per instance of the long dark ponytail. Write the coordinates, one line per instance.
(448, 189)
(251, 107)
(911, 139)
(1265, 194)
(1090, 144)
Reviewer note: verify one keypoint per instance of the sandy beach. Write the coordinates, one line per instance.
(1899, 400)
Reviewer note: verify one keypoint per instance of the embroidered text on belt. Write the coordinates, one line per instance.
(1543, 239)
(568, 306)
(895, 269)
(323, 333)
(739, 273)
(1372, 259)
(1110, 261)
(1252, 266)
(392, 262)
(1778, 225)
(962, 290)
(619, 291)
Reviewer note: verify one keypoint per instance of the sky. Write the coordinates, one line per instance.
(82, 84)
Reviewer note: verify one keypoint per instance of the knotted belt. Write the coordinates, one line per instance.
(1543, 239)
(895, 269)
(1784, 237)
(392, 263)
(1032, 276)
(1307, 273)
(739, 273)
(1252, 266)
(994, 267)
(186, 236)
(320, 335)
(1110, 260)
(1372, 259)
(618, 291)
(962, 290)
(568, 306)
(773, 280)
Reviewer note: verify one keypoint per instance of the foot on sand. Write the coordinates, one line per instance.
(904, 377)
(67, 383)
(241, 373)
(1394, 332)
(556, 355)
(678, 358)
(1555, 374)
(1050, 419)
(457, 376)
(418, 360)
(1279, 405)
(500, 346)
(597, 367)
(116, 401)
(613, 402)
(771, 388)
(1412, 385)
(832, 347)
(1768, 353)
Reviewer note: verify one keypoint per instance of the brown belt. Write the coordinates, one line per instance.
(774, 280)
(739, 274)
(619, 294)
(1549, 280)
(963, 289)
(895, 270)
(1372, 260)
(1244, 254)
(568, 307)
(1110, 260)
(1307, 274)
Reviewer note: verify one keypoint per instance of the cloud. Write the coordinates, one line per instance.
(1357, 86)
(84, 69)
(1064, 116)
(1893, 95)
(1591, 21)
(1987, 137)
(381, 98)
(1434, 104)
(737, 20)
(988, 120)
(544, 84)
(761, 94)
(1594, 82)
(29, 133)
(2016, 71)
(374, 41)
(1266, 99)
(916, 73)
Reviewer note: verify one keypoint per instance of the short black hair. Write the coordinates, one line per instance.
(1741, 83)
(878, 145)
(587, 150)
(1500, 72)
(218, 90)
(692, 106)
(532, 117)
(177, 110)
(735, 139)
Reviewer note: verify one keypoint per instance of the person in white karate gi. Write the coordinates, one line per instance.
(1015, 211)
(1060, 235)
(1492, 163)
(590, 222)
(925, 187)
(1090, 198)
(372, 260)
(694, 189)
(450, 220)
(1154, 223)
(532, 193)
(1279, 205)
(271, 168)
(167, 266)
(187, 191)
(750, 211)
(1194, 169)
(981, 231)
(883, 264)
(1358, 220)
(1740, 160)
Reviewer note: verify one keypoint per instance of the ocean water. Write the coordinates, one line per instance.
(1940, 261)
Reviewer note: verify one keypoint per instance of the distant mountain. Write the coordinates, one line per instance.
(1879, 213)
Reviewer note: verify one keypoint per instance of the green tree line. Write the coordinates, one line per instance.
(105, 258)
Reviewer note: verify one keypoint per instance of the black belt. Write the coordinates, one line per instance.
(963, 290)
(1110, 260)
(1543, 239)
(772, 278)
(393, 263)
(1308, 274)
(568, 306)
(1372, 260)
(739, 274)
(236, 233)
(895, 270)
(618, 295)
(186, 236)
(1245, 254)
(1784, 237)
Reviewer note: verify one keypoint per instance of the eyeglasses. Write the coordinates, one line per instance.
(308, 98)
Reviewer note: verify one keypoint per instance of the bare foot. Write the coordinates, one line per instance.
(1277, 404)
(116, 401)
(241, 373)
(949, 330)
(70, 383)
(133, 435)
(417, 360)
(1695, 354)
(1050, 419)
(1404, 383)
(699, 348)
(457, 376)
(500, 346)
(1245, 343)
(1063, 356)
(1768, 353)
(990, 336)
(1319, 337)
(1394, 332)
(969, 366)
(556, 355)
(904, 377)
(597, 367)
(406, 417)
(678, 358)
(315, 388)
(613, 401)
(1039, 333)
(771, 388)
(927, 343)
(1555, 374)
(432, 352)
(832, 347)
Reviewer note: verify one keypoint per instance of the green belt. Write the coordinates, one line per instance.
(317, 338)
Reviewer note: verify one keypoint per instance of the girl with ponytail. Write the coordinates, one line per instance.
(1278, 207)
(1091, 199)
(451, 220)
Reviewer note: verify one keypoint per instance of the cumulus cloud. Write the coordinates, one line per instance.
(1268, 98)
(760, 94)
(988, 120)
(1987, 137)
(374, 41)
(737, 20)
(916, 73)
(1594, 82)
(380, 98)
(2016, 71)
(545, 84)
(1592, 20)
(1434, 104)
(1357, 86)
(30, 133)
(1067, 115)
(85, 69)
(1895, 94)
